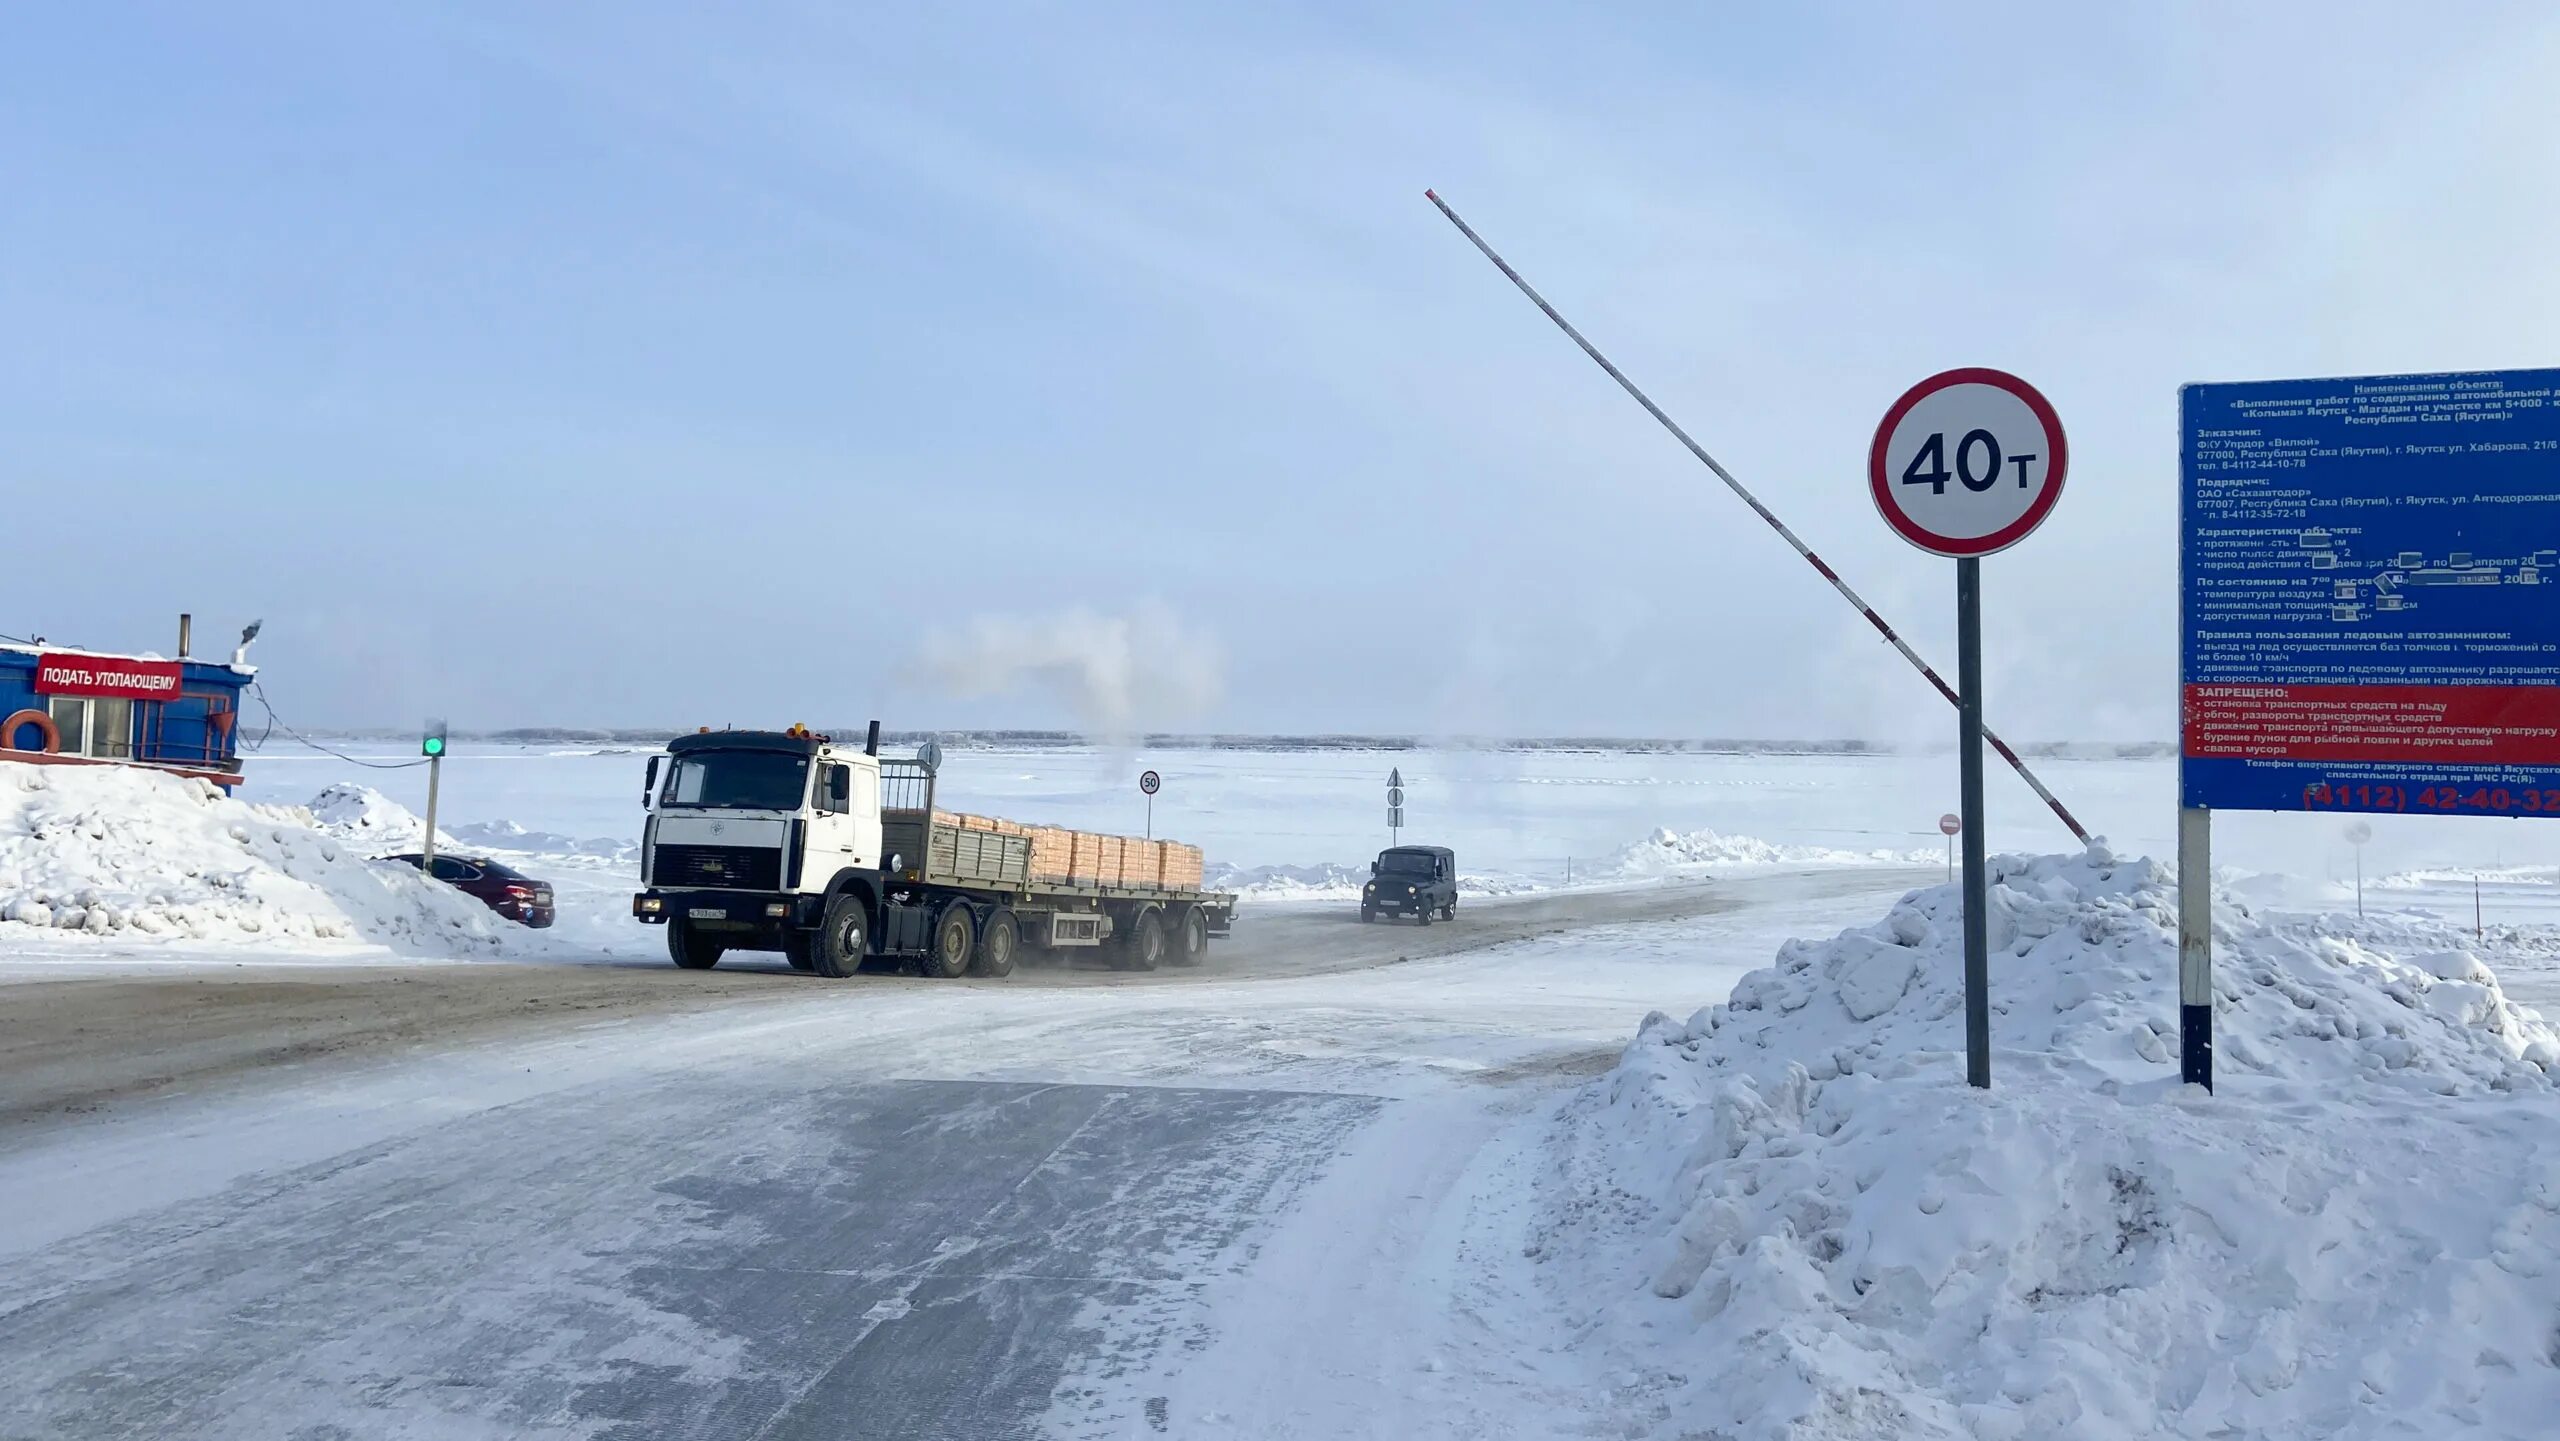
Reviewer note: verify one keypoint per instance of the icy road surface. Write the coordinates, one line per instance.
(1236, 1201)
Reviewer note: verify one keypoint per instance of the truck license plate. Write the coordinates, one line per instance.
(708, 913)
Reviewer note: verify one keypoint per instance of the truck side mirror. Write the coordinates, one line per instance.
(839, 789)
(649, 787)
(1373, 868)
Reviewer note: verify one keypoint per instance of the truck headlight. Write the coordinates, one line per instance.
(777, 908)
(652, 904)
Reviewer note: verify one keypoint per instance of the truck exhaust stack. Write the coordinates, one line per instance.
(871, 747)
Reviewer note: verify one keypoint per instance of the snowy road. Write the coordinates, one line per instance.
(72, 1045)
(1230, 1202)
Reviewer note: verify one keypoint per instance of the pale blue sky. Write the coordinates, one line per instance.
(633, 364)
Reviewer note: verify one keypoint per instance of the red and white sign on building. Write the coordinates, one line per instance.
(99, 675)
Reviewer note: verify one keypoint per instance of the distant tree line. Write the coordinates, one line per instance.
(1064, 740)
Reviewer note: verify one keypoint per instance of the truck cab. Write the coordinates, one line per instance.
(749, 833)
(1416, 881)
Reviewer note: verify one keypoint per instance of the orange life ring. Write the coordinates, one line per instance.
(38, 719)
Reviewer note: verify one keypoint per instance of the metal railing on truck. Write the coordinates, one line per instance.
(906, 786)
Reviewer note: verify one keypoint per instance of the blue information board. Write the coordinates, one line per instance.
(2370, 606)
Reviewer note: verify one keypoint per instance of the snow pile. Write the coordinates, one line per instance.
(1674, 853)
(1287, 883)
(116, 851)
(1796, 1220)
(2465, 875)
(509, 836)
(365, 817)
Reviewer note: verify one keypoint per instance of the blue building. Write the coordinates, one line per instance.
(65, 706)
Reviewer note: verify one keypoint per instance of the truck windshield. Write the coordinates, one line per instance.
(748, 780)
(1406, 863)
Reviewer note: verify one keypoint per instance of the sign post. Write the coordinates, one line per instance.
(2368, 614)
(1966, 463)
(1395, 805)
(1951, 827)
(1148, 784)
(2359, 832)
(431, 745)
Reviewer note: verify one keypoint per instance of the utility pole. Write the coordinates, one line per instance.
(431, 745)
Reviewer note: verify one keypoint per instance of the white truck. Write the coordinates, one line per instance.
(790, 841)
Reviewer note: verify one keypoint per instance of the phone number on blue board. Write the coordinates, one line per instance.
(2495, 800)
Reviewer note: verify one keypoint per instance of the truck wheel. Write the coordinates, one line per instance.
(690, 948)
(955, 939)
(998, 941)
(800, 948)
(1190, 938)
(1368, 914)
(1422, 917)
(1449, 912)
(1145, 946)
(844, 939)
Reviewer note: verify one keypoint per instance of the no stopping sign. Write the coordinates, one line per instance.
(1967, 462)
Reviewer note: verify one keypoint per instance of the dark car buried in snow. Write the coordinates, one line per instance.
(1416, 881)
(509, 892)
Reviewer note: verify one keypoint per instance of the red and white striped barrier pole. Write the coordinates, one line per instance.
(1762, 511)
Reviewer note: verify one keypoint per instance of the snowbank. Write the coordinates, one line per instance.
(1796, 1220)
(509, 836)
(365, 817)
(1331, 882)
(1672, 853)
(131, 854)
(1664, 855)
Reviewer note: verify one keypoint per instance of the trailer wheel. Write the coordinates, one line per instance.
(955, 940)
(1190, 939)
(800, 948)
(844, 939)
(690, 948)
(1145, 946)
(998, 942)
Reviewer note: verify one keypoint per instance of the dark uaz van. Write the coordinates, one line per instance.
(1416, 881)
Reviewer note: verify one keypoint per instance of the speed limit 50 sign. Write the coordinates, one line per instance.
(1967, 462)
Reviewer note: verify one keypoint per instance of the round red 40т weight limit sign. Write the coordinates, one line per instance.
(1967, 462)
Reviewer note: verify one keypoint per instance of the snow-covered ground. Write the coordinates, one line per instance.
(1783, 1217)
(1285, 827)
(1282, 828)
(1523, 815)
(1788, 1216)
(127, 857)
